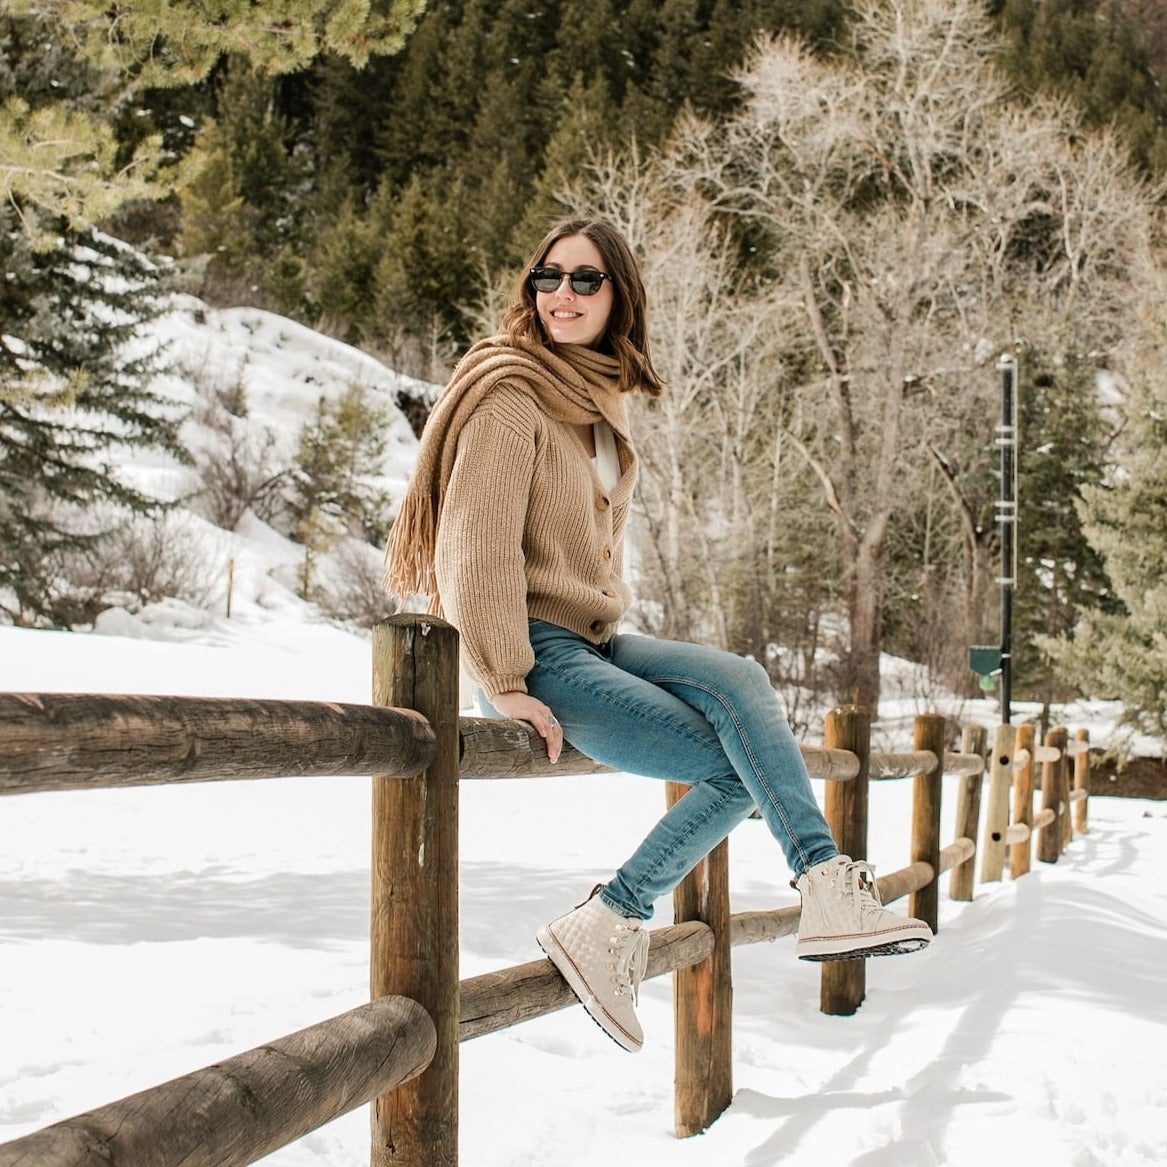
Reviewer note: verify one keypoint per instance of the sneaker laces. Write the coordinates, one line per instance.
(859, 879)
(629, 950)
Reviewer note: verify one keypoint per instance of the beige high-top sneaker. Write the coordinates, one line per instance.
(842, 918)
(602, 956)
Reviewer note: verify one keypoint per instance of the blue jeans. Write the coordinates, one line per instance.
(689, 713)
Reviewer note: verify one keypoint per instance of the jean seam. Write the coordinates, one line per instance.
(567, 678)
(747, 748)
(692, 829)
(693, 826)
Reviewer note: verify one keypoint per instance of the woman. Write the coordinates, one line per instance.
(513, 525)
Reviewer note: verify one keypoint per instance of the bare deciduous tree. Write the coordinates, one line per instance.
(924, 224)
(239, 469)
(353, 588)
(714, 336)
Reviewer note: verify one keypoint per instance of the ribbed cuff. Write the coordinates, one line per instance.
(493, 686)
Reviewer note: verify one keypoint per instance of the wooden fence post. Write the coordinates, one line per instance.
(847, 727)
(1049, 843)
(703, 995)
(924, 904)
(997, 812)
(414, 926)
(1065, 780)
(1020, 853)
(968, 814)
(1082, 782)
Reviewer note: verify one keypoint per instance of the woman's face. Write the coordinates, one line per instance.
(567, 317)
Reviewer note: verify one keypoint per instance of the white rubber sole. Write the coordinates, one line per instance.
(894, 942)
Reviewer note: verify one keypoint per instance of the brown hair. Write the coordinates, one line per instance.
(626, 337)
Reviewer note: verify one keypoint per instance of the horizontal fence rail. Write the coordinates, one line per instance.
(400, 1051)
(241, 1109)
(79, 741)
(916, 762)
(498, 1000)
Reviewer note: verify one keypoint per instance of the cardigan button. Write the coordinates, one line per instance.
(607, 552)
(596, 626)
(602, 502)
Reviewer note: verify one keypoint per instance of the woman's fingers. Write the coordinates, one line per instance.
(547, 726)
(553, 736)
(524, 707)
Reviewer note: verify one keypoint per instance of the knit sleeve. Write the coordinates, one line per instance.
(479, 561)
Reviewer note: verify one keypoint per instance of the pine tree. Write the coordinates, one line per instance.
(1062, 450)
(180, 42)
(341, 276)
(242, 203)
(433, 92)
(58, 152)
(335, 488)
(332, 104)
(312, 506)
(213, 215)
(258, 137)
(74, 379)
(1098, 52)
(1123, 655)
(492, 107)
(74, 397)
(427, 266)
(61, 155)
(590, 121)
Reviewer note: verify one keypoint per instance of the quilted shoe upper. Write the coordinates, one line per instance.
(602, 956)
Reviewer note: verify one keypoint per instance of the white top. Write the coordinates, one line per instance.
(607, 463)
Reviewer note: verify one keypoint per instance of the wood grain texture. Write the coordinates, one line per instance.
(84, 741)
(928, 734)
(703, 996)
(413, 942)
(968, 812)
(843, 983)
(1021, 846)
(241, 1109)
(1049, 837)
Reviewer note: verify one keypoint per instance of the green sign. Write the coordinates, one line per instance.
(985, 660)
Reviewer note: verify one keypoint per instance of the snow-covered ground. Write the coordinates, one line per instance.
(145, 933)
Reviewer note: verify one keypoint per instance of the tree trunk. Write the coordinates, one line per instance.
(865, 611)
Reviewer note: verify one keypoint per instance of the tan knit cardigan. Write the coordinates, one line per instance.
(525, 527)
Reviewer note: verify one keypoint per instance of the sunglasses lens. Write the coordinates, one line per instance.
(583, 283)
(546, 279)
(586, 283)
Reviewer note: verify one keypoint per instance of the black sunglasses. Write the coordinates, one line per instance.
(583, 283)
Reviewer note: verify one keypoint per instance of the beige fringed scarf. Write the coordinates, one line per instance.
(570, 383)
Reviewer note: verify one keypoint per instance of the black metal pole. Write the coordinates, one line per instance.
(1007, 522)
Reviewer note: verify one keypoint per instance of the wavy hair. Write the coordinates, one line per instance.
(626, 336)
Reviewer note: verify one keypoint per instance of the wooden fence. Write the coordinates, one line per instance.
(401, 1051)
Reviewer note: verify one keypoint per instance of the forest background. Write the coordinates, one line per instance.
(847, 212)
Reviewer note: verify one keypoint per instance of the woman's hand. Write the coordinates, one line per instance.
(524, 707)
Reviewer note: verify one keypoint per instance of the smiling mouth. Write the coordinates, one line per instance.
(565, 314)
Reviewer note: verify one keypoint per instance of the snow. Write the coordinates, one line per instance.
(145, 933)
